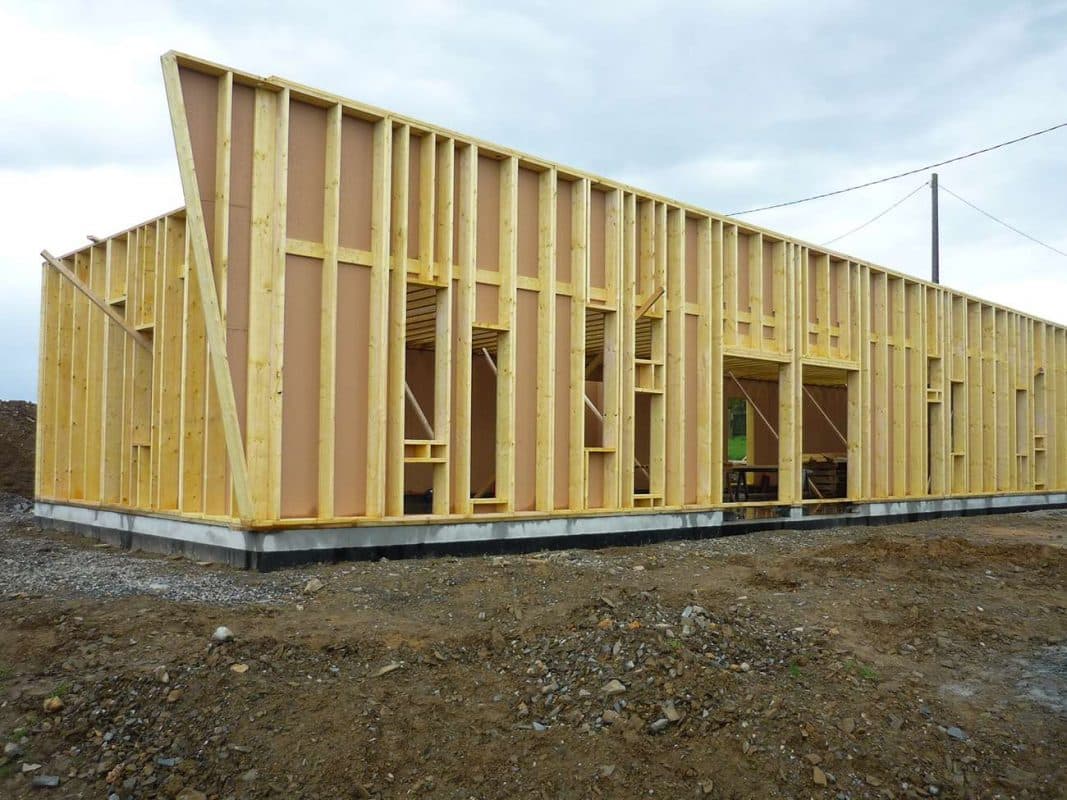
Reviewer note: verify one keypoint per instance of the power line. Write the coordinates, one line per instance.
(878, 216)
(900, 174)
(1002, 222)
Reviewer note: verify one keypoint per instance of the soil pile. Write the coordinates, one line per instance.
(18, 425)
(907, 661)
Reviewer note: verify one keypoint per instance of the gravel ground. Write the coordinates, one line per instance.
(904, 661)
(36, 563)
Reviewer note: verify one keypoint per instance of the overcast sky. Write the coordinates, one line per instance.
(726, 106)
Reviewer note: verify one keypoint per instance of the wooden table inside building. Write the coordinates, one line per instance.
(736, 482)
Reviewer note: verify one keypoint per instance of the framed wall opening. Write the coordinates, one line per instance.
(751, 392)
(425, 401)
(599, 452)
(824, 395)
(485, 399)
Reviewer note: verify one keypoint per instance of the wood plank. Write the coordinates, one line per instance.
(675, 426)
(328, 322)
(396, 410)
(98, 301)
(377, 377)
(466, 240)
(579, 259)
(546, 345)
(505, 383)
(215, 332)
(266, 300)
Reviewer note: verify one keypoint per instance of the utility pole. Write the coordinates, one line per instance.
(935, 236)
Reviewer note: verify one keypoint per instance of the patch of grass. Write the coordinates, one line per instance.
(5, 672)
(794, 671)
(7, 770)
(61, 689)
(737, 448)
(674, 644)
(859, 668)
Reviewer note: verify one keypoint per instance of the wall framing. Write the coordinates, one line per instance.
(247, 359)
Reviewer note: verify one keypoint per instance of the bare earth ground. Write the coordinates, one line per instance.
(18, 420)
(904, 661)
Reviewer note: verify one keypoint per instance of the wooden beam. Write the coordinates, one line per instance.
(579, 258)
(620, 267)
(441, 269)
(506, 348)
(466, 243)
(395, 411)
(378, 339)
(650, 301)
(98, 301)
(675, 412)
(266, 299)
(331, 221)
(216, 336)
(545, 480)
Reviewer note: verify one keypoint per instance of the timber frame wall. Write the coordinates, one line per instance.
(253, 367)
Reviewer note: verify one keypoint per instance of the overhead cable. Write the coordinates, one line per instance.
(1002, 222)
(878, 216)
(901, 174)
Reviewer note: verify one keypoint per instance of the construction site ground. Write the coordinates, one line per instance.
(912, 660)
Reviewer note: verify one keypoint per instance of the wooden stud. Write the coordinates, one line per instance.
(505, 382)
(675, 407)
(377, 377)
(442, 272)
(331, 220)
(395, 408)
(467, 241)
(545, 487)
(579, 258)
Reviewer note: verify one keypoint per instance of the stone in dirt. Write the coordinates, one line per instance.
(313, 586)
(670, 712)
(190, 794)
(392, 667)
(45, 781)
(818, 777)
(222, 634)
(614, 686)
(52, 705)
(240, 669)
(659, 725)
(956, 733)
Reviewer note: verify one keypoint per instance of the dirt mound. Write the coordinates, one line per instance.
(913, 661)
(18, 425)
(953, 551)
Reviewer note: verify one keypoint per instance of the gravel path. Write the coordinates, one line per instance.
(37, 563)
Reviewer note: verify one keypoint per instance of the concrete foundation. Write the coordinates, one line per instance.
(279, 548)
